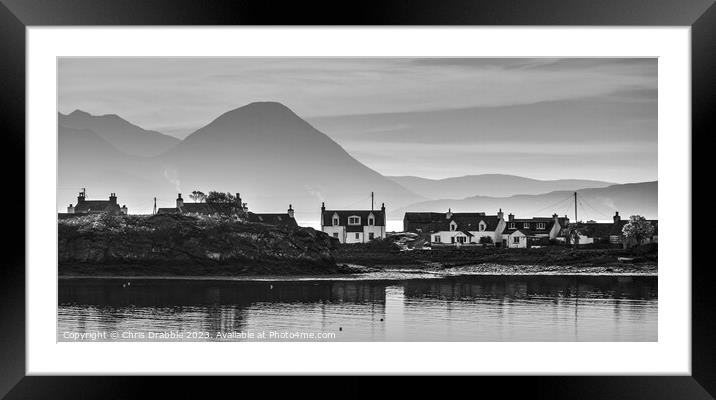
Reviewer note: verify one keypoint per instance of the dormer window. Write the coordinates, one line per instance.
(512, 225)
(540, 225)
(354, 220)
(482, 226)
(453, 226)
(526, 225)
(371, 221)
(335, 221)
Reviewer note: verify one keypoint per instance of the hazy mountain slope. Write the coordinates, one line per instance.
(494, 185)
(273, 157)
(86, 160)
(125, 136)
(596, 203)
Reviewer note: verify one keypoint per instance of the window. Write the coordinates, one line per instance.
(482, 226)
(371, 221)
(452, 239)
(436, 239)
(461, 239)
(371, 235)
(335, 221)
(512, 225)
(526, 225)
(357, 235)
(540, 225)
(353, 220)
(516, 240)
(335, 235)
(453, 226)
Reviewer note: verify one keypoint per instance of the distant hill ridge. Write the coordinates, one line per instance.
(495, 185)
(122, 134)
(592, 203)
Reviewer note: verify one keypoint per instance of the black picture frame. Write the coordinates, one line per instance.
(16, 15)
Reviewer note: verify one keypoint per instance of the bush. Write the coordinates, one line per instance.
(485, 240)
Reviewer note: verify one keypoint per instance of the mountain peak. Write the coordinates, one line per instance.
(79, 113)
(260, 113)
(266, 104)
(262, 108)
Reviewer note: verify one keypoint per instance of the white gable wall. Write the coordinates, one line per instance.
(517, 240)
(333, 230)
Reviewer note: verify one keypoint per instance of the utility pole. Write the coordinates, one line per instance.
(575, 207)
(154, 212)
(371, 201)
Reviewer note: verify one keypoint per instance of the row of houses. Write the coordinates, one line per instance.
(479, 228)
(442, 229)
(85, 206)
(201, 208)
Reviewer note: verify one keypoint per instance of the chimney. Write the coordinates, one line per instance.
(180, 201)
(124, 209)
(385, 217)
(238, 200)
(290, 210)
(616, 217)
(448, 215)
(323, 206)
(81, 197)
(500, 215)
(511, 217)
(113, 198)
(70, 209)
(323, 210)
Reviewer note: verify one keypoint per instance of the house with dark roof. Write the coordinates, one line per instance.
(85, 206)
(592, 232)
(354, 226)
(459, 228)
(278, 219)
(525, 232)
(201, 208)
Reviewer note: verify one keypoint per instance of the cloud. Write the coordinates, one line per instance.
(188, 92)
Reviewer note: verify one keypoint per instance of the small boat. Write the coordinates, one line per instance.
(625, 259)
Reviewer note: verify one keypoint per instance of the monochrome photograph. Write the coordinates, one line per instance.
(357, 199)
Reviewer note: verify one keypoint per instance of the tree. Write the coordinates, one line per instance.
(223, 203)
(485, 240)
(573, 234)
(638, 229)
(198, 196)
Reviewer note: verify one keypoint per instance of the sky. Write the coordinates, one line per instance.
(544, 118)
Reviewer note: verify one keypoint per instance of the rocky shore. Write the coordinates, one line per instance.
(187, 245)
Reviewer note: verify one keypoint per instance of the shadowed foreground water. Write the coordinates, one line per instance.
(457, 308)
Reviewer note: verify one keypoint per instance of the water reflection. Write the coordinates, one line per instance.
(474, 308)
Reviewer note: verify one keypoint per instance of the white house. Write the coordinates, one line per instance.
(519, 233)
(465, 228)
(354, 226)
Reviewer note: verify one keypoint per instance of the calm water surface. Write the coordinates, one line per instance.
(372, 308)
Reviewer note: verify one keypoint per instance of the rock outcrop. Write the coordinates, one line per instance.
(192, 241)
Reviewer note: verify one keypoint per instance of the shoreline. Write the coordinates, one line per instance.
(385, 272)
(348, 277)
